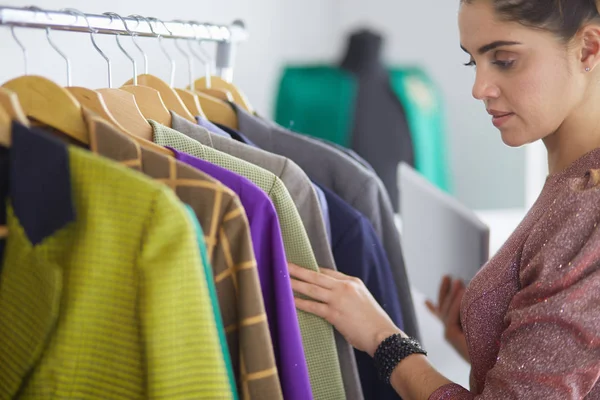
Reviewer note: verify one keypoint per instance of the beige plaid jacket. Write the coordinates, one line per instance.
(230, 252)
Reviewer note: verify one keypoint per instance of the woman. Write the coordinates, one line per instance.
(531, 318)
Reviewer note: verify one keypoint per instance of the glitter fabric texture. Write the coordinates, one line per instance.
(532, 314)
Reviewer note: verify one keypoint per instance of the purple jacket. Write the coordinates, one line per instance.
(274, 279)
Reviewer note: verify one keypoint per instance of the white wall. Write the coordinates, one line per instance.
(486, 173)
(276, 27)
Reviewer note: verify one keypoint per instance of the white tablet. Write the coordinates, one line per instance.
(440, 236)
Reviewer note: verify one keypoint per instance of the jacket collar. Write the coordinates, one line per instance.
(191, 130)
(39, 182)
(36, 168)
(258, 130)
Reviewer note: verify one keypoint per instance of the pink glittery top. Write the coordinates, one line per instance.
(532, 314)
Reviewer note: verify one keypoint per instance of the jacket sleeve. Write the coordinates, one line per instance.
(550, 348)
(183, 354)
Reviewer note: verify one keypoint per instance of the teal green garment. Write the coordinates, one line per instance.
(212, 290)
(319, 101)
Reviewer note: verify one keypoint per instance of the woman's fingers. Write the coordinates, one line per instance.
(454, 312)
(313, 307)
(432, 307)
(313, 277)
(336, 274)
(447, 303)
(444, 289)
(311, 290)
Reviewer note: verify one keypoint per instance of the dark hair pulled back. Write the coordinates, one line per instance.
(561, 17)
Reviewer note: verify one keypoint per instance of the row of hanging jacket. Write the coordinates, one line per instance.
(146, 240)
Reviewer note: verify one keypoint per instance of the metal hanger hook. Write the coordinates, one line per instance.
(23, 49)
(133, 62)
(75, 12)
(187, 55)
(203, 56)
(135, 42)
(54, 46)
(164, 50)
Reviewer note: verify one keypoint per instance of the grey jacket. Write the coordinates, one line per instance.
(305, 199)
(358, 186)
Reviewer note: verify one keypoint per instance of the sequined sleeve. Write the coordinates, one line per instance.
(550, 348)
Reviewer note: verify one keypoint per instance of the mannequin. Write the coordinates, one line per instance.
(380, 131)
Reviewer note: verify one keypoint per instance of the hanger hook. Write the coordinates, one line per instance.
(187, 55)
(136, 44)
(54, 46)
(203, 57)
(164, 50)
(75, 12)
(23, 49)
(133, 62)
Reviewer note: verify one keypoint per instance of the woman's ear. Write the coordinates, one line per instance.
(590, 47)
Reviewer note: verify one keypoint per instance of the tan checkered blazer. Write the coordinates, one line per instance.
(229, 246)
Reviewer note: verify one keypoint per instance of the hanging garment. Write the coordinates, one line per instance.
(317, 334)
(203, 122)
(530, 315)
(360, 254)
(240, 137)
(297, 182)
(100, 265)
(230, 252)
(319, 101)
(349, 180)
(276, 287)
(214, 298)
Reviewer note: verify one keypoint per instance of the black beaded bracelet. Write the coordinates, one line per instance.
(393, 350)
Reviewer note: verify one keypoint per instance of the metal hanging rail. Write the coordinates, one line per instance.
(226, 36)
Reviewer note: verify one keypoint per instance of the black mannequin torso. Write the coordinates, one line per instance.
(380, 131)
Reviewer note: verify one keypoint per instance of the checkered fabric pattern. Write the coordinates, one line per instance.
(112, 306)
(227, 237)
(317, 334)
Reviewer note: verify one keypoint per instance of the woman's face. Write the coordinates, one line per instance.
(524, 76)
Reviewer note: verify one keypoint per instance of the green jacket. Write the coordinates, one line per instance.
(319, 101)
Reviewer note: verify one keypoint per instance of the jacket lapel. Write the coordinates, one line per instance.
(30, 292)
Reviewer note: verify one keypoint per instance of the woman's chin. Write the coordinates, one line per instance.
(512, 138)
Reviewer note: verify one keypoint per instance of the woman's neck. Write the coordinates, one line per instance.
(578, 135)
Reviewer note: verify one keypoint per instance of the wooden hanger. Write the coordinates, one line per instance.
(191, 101)
(94, 101)
(123, 107)
(218, 83)
(169, 96)
(218, 111)
(5, 127)
(220, 94)
(10, 102)
(51, 104)
(151, 103)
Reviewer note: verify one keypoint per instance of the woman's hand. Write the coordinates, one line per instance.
(346, 304)
(448, 311)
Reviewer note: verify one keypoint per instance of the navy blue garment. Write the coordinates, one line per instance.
(35, 176)
(236, 135)
(358, 252)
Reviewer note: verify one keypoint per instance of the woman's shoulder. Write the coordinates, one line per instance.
(566, 235)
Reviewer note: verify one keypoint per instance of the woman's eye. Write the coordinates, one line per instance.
(504, 64)
(471, 63)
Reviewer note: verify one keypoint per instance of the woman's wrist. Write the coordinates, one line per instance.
(381, 336)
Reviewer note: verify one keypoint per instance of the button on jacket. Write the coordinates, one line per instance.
(101, 263)
(317, 334)
(230, 252)
(276, 286)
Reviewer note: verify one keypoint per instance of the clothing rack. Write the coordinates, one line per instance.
(226, 36)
